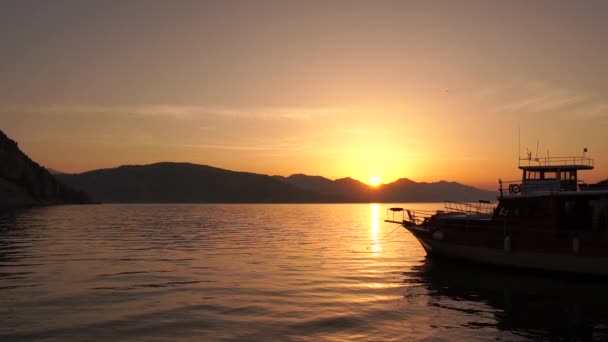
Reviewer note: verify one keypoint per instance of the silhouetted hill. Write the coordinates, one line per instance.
(339, 190)
(25, 183)
(406, 190)
(402, 190)
(185, 183)
(316, 184)
(191, 183)
(601, 185)
(355, 190)
(53, 171)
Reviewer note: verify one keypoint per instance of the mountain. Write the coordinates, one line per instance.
(601, 185)
(185, 183)
(406, 190)
(53, 171)
(25, 183)
(339, 190)
(402, 190)
(191, 183)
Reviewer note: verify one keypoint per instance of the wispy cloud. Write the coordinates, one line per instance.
(536, 97)
(183, 112)
(257, 146)
(272, 146)
(593, 111)
(542, 98)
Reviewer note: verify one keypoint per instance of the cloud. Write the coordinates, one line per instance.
(539, 97)
(593, 111)
(182, 112)
(542, 98)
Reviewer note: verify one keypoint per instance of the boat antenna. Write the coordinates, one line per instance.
(518, 144)
(537, 142)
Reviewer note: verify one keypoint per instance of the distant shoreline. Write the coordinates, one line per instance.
(170, 182)
(8, 208)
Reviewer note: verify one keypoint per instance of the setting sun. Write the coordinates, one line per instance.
(374, 181)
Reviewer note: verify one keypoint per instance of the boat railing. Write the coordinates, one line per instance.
(556, 161)
(419, 217)
(413, 216)
(481, 207)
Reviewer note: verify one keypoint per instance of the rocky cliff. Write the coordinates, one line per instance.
(25, 183)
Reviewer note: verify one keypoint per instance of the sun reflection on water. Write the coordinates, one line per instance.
(374, 227)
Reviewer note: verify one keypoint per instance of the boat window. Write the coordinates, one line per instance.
(568, 176)
(550, 175)
(533, 175)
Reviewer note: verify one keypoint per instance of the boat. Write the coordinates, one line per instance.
(549, 220)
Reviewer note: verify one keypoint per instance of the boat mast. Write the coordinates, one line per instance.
(518, 145)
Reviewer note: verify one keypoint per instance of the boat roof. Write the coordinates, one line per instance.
(555, 167)
(556, 163)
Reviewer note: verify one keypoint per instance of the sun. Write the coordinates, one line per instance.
(374, 181)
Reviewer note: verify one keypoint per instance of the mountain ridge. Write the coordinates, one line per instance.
(168, 182)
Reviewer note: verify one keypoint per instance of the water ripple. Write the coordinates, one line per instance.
(263, 272)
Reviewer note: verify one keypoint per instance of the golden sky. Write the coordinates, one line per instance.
(428, 90)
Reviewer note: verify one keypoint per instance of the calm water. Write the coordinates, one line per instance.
(265, 272)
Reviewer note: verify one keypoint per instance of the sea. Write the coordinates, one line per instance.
(267, 272)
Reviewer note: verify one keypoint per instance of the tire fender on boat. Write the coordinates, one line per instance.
(514, 188)
(438, 235)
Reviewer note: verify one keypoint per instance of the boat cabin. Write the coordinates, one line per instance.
(542, 175)
(550, 195)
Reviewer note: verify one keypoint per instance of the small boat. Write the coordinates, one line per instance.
(549, 220)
